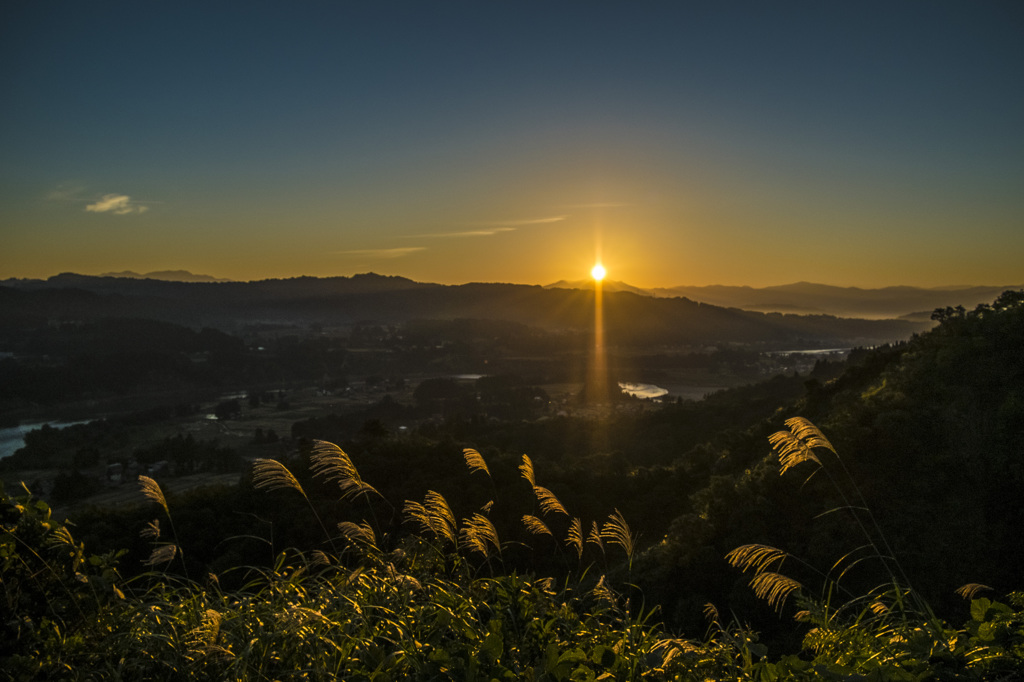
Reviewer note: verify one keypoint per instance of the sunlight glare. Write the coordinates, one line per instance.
(598, 272)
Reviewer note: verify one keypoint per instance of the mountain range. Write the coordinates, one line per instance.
(799, 298)
(806, 298)
(630, 319)
(166, 275)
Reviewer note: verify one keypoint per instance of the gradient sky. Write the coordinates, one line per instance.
(853, 143)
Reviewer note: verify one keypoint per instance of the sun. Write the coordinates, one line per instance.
(597, 272)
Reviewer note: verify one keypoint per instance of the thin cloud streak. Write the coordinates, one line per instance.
(495, 227)
(586, 206)
(534, 221)
(118, 204)
(472, 233)
(382, 253)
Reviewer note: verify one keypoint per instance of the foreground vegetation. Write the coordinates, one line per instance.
(490, 575)
(436, 604)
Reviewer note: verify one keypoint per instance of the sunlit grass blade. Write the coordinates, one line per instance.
(334, 464)
(755, 556)
(602, 592)
(535, 526)
(594, 536)
(616, 531)
(575, 537)
(434, 516)
(548, 502)
(972, 590)
(526, 469)
(478, 532)
(269, 474)
(319, 558)
(151, 489)
(791, 450)
(151, 531)
(475, 461)
(358, 532)
(60, 536)
(162, 555)
(774, 588)
(809, 433)
(203, 637)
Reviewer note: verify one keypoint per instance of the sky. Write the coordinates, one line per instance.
(687, 143)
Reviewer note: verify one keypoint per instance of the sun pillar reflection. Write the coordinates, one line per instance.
(597, 389)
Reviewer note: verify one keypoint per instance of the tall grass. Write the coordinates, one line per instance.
(416, 607)
(890, 631)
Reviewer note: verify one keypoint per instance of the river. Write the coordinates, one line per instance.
(643, 390)
(12, 439)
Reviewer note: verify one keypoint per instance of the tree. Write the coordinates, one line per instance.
(228, 410)
(439, 393)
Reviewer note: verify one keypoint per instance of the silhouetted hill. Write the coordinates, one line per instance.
(607, 286)
(629, 318)
(807, 298)
(844, 301)
(167, 275)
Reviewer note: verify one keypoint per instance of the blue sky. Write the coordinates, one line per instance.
(863, 143)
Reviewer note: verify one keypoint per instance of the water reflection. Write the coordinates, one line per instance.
(12, 439)
(643, 390)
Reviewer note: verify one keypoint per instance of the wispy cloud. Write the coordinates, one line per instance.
(382, 253)
(585, 206)
(473, 233)
(491, 228)
(532, 221)
(118, 204)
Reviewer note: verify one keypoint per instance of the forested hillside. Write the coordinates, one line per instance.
(929, 430)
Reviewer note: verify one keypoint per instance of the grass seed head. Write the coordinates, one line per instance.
(334, 464)
(269, 474)
(809, 433)
(526, 469)
(548, 502)
(361, 533)
(575, 537)
(774, 588)
(151, 489)
(972, 590)
(151, 531)
(535, 526)
(475, 461)
(616, 531)
(163, 554)
(594, 536)
(755, 556)
(791, 450)
(478, 533)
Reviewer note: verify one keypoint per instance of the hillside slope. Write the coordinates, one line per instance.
(928, 431)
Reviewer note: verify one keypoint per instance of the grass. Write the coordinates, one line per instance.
(436, 604)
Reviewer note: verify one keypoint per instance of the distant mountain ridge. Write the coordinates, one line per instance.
(630, 318)
(166, 276)
(807, 298)
(800, 298)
